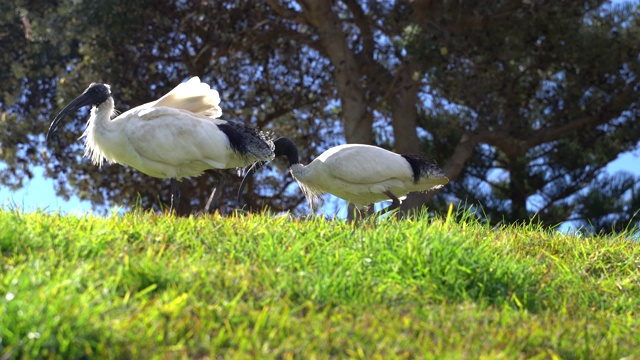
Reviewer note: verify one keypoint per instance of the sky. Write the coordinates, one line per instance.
(39, 194)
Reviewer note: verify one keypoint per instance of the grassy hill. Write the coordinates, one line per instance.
(148, 286)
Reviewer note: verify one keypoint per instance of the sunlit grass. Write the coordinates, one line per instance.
(143, 285)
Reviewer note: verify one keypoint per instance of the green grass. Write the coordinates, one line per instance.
(148, 286)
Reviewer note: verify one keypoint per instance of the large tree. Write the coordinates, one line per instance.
(517, 100)
(546, 93)
(143, 49)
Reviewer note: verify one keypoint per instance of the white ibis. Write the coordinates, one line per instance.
(360, 174)
(173, 137)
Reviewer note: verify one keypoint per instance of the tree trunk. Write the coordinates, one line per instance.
(405, 111)
(517, 185)
(404, 118)
(357, 118)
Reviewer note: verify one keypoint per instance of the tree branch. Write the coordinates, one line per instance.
(361, 20)
(285, 12)
(431, 12)
(356, 113)
(617, 105)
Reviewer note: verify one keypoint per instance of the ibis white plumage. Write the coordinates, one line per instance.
(360, 174)
(176, 136)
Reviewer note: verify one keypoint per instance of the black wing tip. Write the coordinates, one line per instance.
(247, 141)
(423, 166)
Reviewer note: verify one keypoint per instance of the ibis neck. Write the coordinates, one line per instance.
(98, 128)
(299, 172)
(101, 115)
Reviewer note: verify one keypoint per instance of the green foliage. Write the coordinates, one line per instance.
(142, 285)
(611, 204)
(521, 84)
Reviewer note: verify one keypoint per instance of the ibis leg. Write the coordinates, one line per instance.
(212, 203)
(351, 212)
(175, 195)
(354, 214)
(394, 204)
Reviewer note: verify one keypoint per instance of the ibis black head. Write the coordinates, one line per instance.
(282, 146)
(95, 95)
(286, 147)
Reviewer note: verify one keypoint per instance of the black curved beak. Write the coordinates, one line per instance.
(82, 100)
(255, 167)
